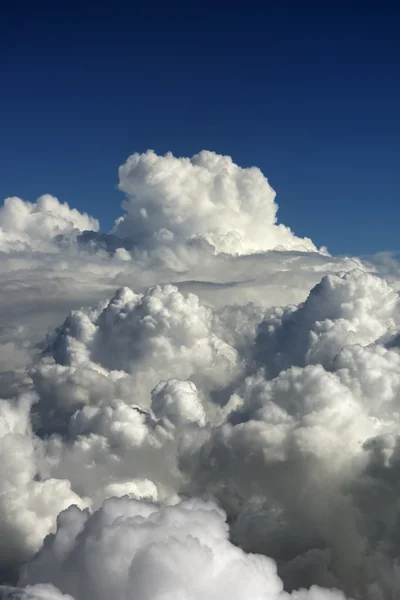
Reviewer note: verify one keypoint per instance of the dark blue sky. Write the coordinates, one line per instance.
(307, 91)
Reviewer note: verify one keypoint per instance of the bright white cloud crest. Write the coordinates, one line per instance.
(197, 405)
(25, 223)
(207, 197)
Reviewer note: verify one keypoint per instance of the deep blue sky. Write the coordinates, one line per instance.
(308, 91)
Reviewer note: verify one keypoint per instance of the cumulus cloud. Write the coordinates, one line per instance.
(198, 404)
(30, 499)
(24, 224)
(177, 402)
(126, 345)
(157, 552)
(207, 197)
(354, 308)
(304, 461)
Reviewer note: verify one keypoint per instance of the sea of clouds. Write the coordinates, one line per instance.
(197, 405)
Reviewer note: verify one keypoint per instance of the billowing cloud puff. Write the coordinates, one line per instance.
(373, 375)
(126, 345)
(354, 308)
(299, 465)
(117, 449)
(30, 499)
(157, 552)
(206, 197)
(24, 224)
(177, 402)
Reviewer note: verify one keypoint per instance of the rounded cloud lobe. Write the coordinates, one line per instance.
(158, 552)
(212, 410)
(24, 224)
(207, 197)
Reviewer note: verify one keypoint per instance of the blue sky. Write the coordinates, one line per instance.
(307, 91)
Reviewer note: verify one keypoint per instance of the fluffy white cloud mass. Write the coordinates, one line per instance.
(206, 197)
(158, 552)
(24, 224)
(196, 405)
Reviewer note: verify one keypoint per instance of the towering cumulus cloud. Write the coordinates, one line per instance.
(196, 405)
(206, 197)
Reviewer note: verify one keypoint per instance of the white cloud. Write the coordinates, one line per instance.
(30, 499)
(177, 402)
(206, 197)
(201, 350)
(24, 224)
(131, 549)
(354, 308)
(161, 334)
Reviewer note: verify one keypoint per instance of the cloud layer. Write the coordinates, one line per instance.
(196, 405)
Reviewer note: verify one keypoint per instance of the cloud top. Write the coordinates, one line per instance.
(24, 223)
(207, 197)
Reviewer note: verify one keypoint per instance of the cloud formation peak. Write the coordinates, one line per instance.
(207, 197)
